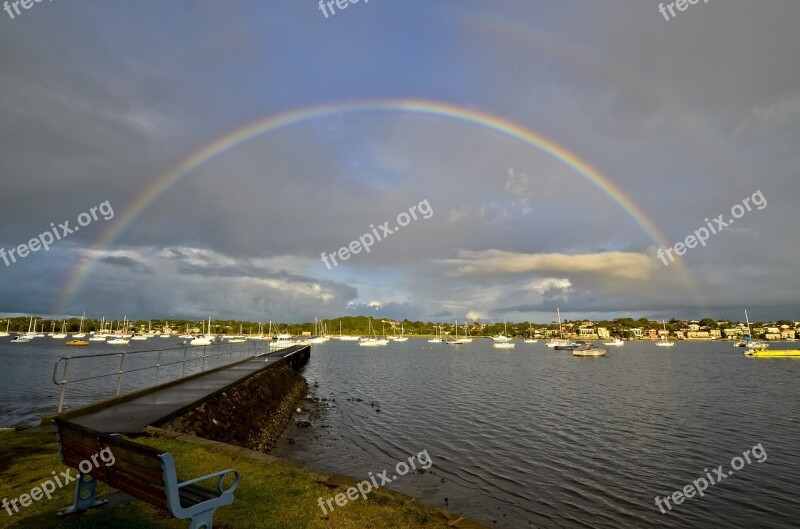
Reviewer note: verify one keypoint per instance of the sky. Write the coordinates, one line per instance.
(552, 152)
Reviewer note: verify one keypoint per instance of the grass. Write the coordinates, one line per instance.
(271, 494)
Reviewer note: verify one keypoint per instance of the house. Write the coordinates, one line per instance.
(694, 327)
(681, 334)
(603, 333)
(732, 333)
(587, 333)
(650, 334)
(787, 334)
(715, 334)
(698, 335)
(637, 332)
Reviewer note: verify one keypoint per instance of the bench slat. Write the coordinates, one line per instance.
(193, 494)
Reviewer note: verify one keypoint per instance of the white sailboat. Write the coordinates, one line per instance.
(665, 342)
(560, 343)
(203, 339)
(60, 335)
(437, 336)
(80, 333)
(531, 339)
(4, 334)
(31, 334)
(467, 338)
(506, 343)
(120, 338)
(616, 342)
(455, 341)
(753, 345)
(372, 341)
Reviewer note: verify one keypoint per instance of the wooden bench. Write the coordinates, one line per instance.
(140, 471)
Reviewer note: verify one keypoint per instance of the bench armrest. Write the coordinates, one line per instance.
(221, 475)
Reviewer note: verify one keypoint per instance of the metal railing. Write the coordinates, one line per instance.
(62, 366)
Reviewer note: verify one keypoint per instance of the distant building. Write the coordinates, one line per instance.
(788, 334)
(603, 333)
(715, 334)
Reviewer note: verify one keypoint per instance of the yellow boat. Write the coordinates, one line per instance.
(774, 353)
(77, 342)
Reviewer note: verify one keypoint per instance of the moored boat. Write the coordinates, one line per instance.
(588, 349)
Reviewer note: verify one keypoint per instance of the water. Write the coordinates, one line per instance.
(27, 391)
(532, 437)
(527, 437)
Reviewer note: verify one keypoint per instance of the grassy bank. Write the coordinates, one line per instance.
(271, 494)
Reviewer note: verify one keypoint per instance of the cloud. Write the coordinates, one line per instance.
(619, 265)
(763, 120)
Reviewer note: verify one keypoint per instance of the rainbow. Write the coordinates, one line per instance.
(294, 117)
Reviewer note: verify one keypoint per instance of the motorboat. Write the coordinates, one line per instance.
(588, 349)
(616, 342)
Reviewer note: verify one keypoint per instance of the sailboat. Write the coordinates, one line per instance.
(63, 334)
(467, 338)
(203, 339)
(531, 339)
(437, 337)
(4, 334)
(455, 341)
(616, 342)
(119, 338)
(560, 342)
(31, 334)
(319, 336)
(753, 345)
(506, 343)
(239, 338)
(372, 341)
(665, 342)
(80, 333)
(347, 338)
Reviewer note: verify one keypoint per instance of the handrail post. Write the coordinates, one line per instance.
(63, 387)
(119, 372)
(158, 365)
(204, 360)
(183, 368)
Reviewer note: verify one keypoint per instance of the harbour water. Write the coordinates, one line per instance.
(524, 437)
(27, 391)
(532, 437)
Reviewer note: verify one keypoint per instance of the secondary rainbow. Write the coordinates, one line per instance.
(294, 117)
